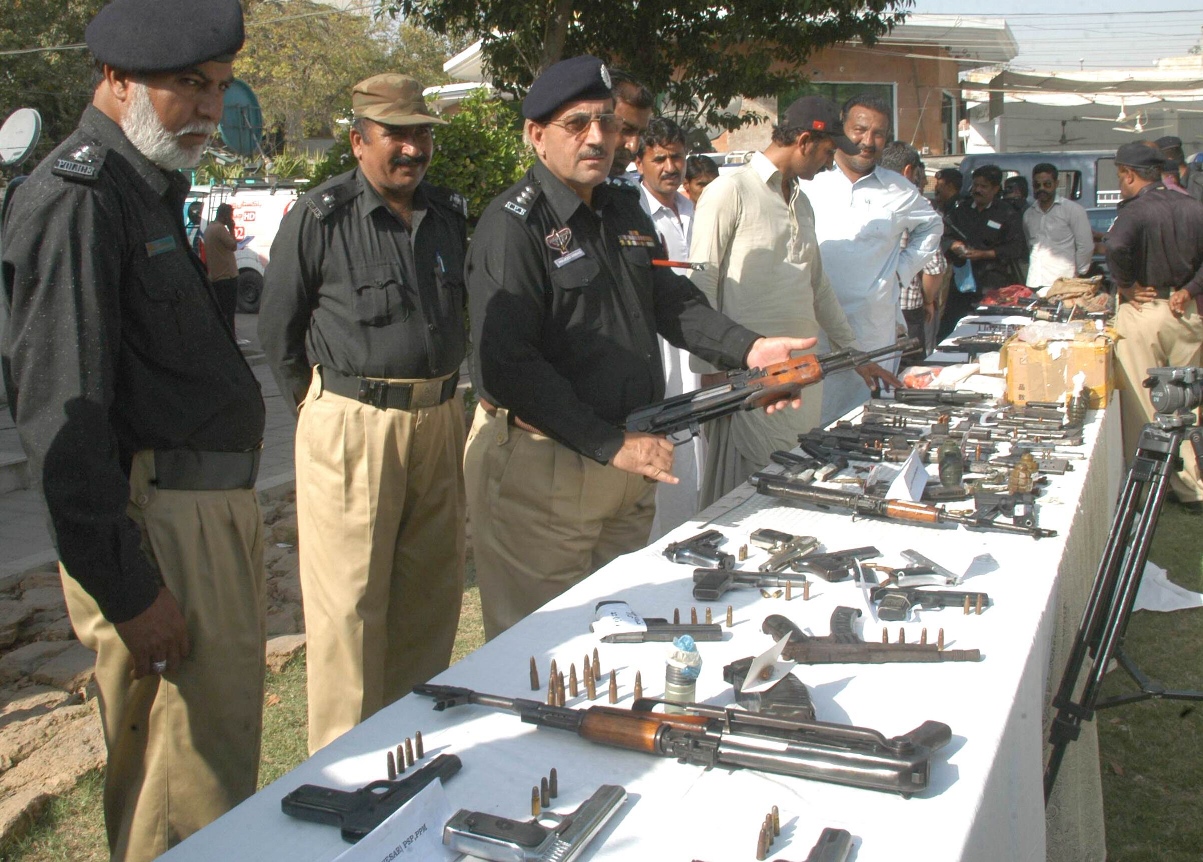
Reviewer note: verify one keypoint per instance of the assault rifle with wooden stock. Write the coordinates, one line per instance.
(713, 736)
(680, 418)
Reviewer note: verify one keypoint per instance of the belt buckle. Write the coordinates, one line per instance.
(373, 392)
(427, 393)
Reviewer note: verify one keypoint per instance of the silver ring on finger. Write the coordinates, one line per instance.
(158, 666)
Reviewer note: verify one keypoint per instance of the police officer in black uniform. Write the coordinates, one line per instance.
(565, 307)
(142, 423)
(363, 322)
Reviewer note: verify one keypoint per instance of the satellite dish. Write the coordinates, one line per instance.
(241, 119)
(18, 136)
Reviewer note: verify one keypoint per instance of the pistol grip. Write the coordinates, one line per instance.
(710, 584)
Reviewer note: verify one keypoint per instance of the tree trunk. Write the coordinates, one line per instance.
(555, 34)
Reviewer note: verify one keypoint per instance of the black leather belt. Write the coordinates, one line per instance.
(387, 394)
(189, 470)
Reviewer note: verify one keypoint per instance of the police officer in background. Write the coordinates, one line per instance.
(362, 321)
(143, 423)
(565, 307)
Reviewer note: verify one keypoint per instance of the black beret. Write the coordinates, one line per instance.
(1167, 141)
(1139, 155)
(164, 35)
(578, 79)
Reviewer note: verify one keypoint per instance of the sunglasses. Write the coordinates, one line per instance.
(576, 124)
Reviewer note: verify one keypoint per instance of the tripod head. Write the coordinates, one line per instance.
(1175, 393)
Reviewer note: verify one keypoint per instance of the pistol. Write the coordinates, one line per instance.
(896, 603)
(701, 550)
(784, 547)
(360, 811)
(488, 836)
(835, 565)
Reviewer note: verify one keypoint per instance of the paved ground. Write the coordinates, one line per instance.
(24, 537)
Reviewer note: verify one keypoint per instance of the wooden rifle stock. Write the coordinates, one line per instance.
(636, 731)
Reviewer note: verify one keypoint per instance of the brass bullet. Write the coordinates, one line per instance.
(554, 669)
(806, 591)
(762, 845)
(534, 675)
(544, 795)
(966, 605)
(561, 690)
(885, 636)
(588, 672)
(730, 616)
(789, 591)
(776, 821)
(419, 750)
(392, 766)
(596, 666)
(676, 616)
(693, 616)
(765, 593)
(573, 688)
(613, 687)
(778, 594)
(590, 686)
(978, 609)
(400, 760)
(901, 635)
(923, 635)
(768, 828)
(409, 752)
(940, 640)
(709, 617)
(743, 553)
(638, 685)
(551, 690)
(535, 808)
(553, 784)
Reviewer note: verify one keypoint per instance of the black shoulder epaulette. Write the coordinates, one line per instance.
(322, 202)
(622, 184)
(81, 163)
(521, 198)
(443, 196)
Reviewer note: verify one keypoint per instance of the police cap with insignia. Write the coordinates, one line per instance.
(165, 35)
(392, 100)
(578, 79)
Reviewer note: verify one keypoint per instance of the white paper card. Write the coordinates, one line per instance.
(910, 482)
(412, 832)
(768, 659)
(613, 617)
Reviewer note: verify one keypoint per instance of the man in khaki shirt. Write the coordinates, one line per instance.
(755, 230)
(220, 246)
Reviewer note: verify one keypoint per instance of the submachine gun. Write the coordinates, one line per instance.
(713, 736)
(680, 418)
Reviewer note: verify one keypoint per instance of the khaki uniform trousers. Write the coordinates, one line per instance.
(543, 517)
(380, 522)
(183, 748)
(1152, 337)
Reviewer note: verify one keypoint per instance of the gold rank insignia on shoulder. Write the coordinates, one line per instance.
(637, 239)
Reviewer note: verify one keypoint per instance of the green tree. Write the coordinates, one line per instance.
(480, 153)
(48, 70)
(696, 53)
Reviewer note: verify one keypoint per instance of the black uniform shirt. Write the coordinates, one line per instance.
(565, 306)
(998, 227)
(115, 344)
(1157, 240)
(346, 289)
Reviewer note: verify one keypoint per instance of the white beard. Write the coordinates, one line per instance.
(152, 139)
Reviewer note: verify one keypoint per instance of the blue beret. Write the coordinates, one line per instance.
(164, 35)
(578, 79)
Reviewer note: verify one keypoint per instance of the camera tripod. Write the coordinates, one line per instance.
(1109, 607)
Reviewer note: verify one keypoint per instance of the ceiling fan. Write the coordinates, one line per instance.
(1064, 139)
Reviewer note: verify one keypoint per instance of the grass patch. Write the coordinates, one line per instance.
(71, 829)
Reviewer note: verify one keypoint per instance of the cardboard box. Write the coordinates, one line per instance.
(1045, 371)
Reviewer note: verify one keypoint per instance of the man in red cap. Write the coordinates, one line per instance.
(143, 423)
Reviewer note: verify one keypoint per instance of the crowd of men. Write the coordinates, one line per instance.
(617, 270)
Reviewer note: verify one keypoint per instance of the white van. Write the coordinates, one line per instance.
(259, 205)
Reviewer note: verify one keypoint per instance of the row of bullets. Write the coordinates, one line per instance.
(885, 637)
(407, 754)
(788, 592)
(769, 829)
(541, 796)
(558, 691)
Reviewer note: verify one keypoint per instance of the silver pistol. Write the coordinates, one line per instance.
(550, 837)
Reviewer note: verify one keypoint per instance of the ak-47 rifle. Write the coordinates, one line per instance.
(680, 418)
(890, 510)
(713, 736)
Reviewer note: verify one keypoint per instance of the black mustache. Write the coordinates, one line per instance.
(404, 161)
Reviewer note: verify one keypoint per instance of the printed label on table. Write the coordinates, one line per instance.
(614, 617)
(412, 832)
